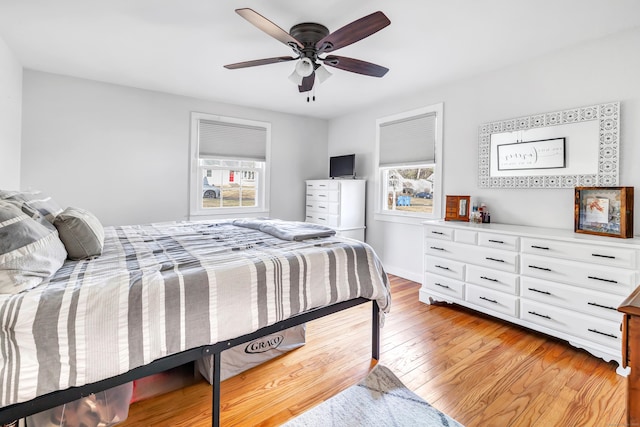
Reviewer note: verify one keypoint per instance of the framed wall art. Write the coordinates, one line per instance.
(542, 154)
(559, 149)
(604, 211)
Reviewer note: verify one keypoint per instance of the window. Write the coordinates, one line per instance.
(229, 170)
(410, 165)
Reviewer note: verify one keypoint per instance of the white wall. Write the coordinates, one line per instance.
(10, 118)
(600, 71)
(123, 153)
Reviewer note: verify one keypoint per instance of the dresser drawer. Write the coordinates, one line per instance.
(444, 267)
(590, 328)
(615, 257)
(448, 249)
(323, 195)
(443, 285)
(492, 300)
(495, 259)
(488, 278)
(601, 278)
(323, 185)
(323, 207)
(436, 232)
(466, 236)
(499, 241)
(587, 301)
(319, 218)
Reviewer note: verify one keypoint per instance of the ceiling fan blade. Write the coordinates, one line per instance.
(257, 62)
(269, 27)
(307, 83)
(351, 33)
(355, 66)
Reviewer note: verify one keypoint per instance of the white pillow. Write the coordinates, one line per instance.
(81, 232)
(29, 251)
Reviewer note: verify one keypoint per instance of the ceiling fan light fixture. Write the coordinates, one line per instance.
(323, 74)
(296, 78)
(304, 67)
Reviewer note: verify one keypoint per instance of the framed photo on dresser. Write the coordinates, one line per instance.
(604, 211)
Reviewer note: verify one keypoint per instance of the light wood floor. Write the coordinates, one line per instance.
(479, 370)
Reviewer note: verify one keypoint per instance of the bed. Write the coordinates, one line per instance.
(160, 295)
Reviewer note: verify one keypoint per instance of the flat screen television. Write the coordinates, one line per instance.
(340, 166)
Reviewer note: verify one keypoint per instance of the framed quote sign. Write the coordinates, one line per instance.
(543, 154)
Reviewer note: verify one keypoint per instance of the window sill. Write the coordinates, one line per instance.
(403, 218)
(199, 216)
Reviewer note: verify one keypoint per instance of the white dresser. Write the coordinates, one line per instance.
(337, 203)
(554, 281)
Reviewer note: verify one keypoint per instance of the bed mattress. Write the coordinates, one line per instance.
(159, 289)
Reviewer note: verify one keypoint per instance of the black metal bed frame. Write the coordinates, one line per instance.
(60, 397)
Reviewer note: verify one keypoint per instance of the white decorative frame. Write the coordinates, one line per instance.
(608, 117)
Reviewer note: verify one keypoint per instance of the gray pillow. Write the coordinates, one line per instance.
(32, 202)
(81, 232)
(29, 251)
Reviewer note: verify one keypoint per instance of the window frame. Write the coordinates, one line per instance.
(196, 211)
(382, 214)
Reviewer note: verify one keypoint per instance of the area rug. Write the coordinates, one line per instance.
(379, 400)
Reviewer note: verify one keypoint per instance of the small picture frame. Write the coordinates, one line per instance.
(604, 211)
(457, 208)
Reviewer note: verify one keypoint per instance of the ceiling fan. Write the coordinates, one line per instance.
(311, 44)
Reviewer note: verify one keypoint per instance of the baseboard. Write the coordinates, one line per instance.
(405, 274)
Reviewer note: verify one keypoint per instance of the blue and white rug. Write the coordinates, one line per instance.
(379, 400)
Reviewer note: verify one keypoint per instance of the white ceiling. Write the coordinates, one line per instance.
(180, 46)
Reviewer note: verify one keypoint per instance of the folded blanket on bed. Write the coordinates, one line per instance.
(286, 230)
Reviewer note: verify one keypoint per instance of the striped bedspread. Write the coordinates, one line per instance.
(164, 288)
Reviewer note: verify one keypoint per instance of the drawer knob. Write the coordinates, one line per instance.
(540, 268)
(442, 286)
(437, 248)
(443, 267)
(438, 232)
(488, 278)
(602, 280)
(496, 241)
(603, 256)
(541, 292)
(494, 259)
(490, 300)
(540, 247)
(540, 315)
(602, 306)
(595, 331)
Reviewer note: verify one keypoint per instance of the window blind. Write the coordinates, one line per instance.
(220, 139)
(409, 140)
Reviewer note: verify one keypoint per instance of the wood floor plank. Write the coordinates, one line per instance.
(478, 369)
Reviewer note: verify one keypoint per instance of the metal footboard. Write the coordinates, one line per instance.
(57, 398)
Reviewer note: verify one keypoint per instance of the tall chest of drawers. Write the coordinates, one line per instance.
(337, 203)
(553, 281)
